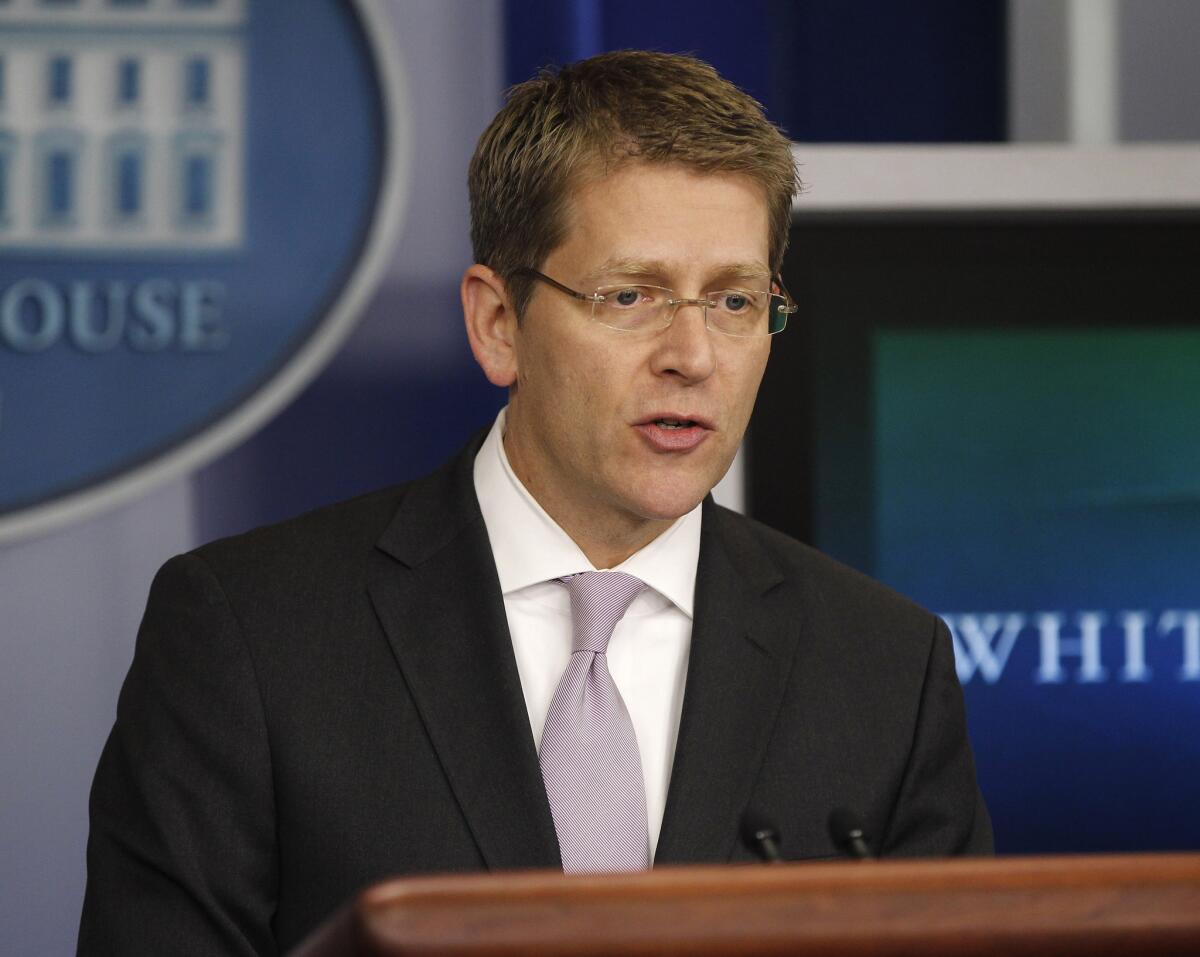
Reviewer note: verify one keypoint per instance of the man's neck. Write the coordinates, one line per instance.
(609, 551)
(606, 539)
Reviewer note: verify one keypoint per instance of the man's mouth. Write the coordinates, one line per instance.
(674, 433)
(676, 420)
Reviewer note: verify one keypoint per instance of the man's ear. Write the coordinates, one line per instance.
(491, 324)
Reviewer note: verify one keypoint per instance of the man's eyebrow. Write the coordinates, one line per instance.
(746, 272)
(625, 266)
(655, 269)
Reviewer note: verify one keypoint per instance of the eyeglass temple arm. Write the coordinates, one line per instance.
(789, 307)
(583, 296)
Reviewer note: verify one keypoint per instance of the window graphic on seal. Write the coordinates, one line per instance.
(196, 199)
(138, 139)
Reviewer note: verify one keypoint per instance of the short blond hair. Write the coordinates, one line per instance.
(597, 115)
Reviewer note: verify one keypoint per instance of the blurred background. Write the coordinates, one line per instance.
(988, 400)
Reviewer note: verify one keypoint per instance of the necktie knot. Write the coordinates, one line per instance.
(598, 601)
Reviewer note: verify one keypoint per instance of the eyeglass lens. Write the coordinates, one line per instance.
(736, 312)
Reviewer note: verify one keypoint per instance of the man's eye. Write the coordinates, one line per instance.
(626, 297)
(735, 302)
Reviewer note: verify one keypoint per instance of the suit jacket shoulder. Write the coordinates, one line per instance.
(827, 577)
(313, 707)
(812, 687)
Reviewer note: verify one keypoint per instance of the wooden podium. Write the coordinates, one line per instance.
(1137, 905)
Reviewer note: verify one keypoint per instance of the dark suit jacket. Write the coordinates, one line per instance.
(318, 705)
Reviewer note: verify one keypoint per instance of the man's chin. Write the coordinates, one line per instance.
(665, 497)
(669, 507)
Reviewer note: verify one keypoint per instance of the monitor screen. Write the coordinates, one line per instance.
(1000, 418)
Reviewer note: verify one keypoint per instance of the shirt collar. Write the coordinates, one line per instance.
(529, 547)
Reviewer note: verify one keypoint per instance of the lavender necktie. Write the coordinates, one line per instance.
(590, 759)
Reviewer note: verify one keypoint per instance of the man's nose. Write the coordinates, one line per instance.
(686, 348)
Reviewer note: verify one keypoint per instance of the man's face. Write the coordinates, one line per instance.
(589, 423)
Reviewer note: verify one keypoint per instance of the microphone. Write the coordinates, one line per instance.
(761, 836)
(847, 833)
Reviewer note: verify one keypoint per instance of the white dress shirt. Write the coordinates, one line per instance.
(648, 653)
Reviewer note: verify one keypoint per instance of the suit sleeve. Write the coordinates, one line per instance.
(181, 853)
(940, 810)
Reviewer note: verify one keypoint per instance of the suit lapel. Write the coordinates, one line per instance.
(737, 670)
(434, 586)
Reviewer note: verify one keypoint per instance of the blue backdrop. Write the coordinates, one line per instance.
(857, 71)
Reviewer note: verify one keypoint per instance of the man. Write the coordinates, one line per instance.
(437, 677)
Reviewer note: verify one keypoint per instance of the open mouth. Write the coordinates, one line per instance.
(670, 433)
